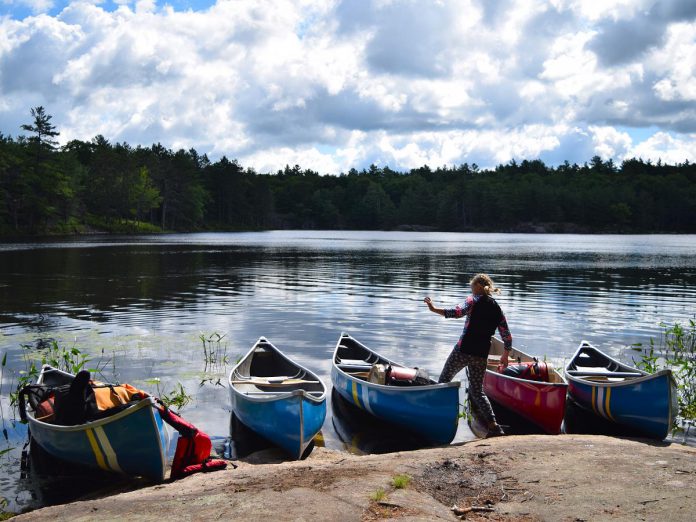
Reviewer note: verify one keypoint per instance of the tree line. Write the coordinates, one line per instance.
(99, 185)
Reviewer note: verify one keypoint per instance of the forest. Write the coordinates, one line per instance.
(97, 185)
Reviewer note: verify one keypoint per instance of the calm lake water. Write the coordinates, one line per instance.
(144, 301)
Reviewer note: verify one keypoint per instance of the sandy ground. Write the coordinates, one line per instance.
(534, 477)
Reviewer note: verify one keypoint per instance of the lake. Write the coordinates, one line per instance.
(138, 304)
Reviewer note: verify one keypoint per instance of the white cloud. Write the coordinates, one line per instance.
(662, 146)
(609, 142)
(335, 84)
(677, 61)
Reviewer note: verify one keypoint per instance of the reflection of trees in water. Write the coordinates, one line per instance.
(93, 283)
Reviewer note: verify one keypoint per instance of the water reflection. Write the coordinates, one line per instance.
(139, 304)
(362, 433)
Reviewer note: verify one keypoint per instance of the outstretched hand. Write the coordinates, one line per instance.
(432, 308)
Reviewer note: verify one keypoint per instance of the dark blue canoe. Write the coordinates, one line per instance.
(132, 441)
(278, 399)
(646, 403)
(431, 411)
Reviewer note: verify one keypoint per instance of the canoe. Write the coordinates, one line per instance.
(542, 403)
(133, 441)
(431, 411)
(645, 402)
(278, 399)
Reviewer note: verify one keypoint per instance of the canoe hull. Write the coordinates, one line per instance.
(542, 403)
(289, 413)
(132, 442)
(290, 422)
(645, 403)
(538, 402)
(429, 411)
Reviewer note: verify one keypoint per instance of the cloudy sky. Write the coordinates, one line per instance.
(334, 84)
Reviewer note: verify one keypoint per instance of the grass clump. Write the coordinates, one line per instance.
(378, 495)
(401, 481)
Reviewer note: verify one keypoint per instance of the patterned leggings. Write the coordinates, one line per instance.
(477, 370)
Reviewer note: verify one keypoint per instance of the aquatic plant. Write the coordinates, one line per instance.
(214, 351)
(5, 515)
(177, 398)
(401, 481)
(676, 350)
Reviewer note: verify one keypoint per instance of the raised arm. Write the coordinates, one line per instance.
(432, 308)
(449, 313)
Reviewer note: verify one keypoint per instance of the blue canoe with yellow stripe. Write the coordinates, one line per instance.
(431, 410)
(132, 441)
(646, 403)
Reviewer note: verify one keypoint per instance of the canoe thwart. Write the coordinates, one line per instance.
(603, 373)
(287, 382)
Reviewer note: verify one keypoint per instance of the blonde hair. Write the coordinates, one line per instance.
(486, 282)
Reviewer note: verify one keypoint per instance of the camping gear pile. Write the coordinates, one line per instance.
(110, 426)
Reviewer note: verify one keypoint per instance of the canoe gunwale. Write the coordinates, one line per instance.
(407, 389)
(272, 396)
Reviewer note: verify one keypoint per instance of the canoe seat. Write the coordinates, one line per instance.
(600, 372)
(352, 362)
(361, 367)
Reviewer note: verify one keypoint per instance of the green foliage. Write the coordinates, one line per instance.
(124, 189)
(70, 360)
(676, 350)
(401, 481)
(5, 515)
(378, 495)
(177, 398)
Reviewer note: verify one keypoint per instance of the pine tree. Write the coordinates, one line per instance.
(43, 128)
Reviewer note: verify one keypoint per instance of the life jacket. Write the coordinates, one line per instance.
(531, 371)
(192, 449)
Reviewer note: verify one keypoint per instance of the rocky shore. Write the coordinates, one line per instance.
(529, 478)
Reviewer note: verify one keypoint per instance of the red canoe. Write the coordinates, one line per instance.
(542, 403)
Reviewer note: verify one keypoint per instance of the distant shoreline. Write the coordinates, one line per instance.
(522, 228)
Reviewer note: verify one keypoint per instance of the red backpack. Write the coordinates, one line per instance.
(192, 449)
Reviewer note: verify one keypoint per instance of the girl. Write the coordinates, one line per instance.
(483, 316)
